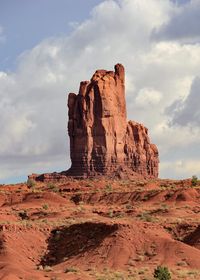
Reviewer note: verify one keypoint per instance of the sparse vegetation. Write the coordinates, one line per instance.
(30, 183)
(70, 269)
(80, 209)
(146, 216)
(162, 273)
(194, 180)
(108, 188)
(45, 206)
(110, 214)
(127, 205)
(52, 187)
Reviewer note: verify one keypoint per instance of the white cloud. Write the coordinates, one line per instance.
(33, 115)
(148, 97)
(180, 168)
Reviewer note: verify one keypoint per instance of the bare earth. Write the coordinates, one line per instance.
(99, 229)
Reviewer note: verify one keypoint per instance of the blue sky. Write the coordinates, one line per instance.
(48, 47)
(26, 23)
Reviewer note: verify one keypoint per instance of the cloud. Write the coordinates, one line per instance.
(148, 96)
(178, 167)
(33, 115)
(183, 25)
(187, 111)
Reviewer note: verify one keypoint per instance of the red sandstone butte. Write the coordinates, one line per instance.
(102, 142)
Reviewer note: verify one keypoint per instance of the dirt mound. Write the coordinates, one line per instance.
(116, 246)
(20, 250)
(44, 196)
(31, 197)
(185, 195)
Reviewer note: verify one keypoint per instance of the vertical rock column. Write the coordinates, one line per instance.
(101, 140)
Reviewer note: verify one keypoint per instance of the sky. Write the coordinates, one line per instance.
(47, 47)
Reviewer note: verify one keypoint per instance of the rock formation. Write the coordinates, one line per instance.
(102, 142)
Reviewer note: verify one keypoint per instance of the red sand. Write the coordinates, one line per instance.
(90, 229)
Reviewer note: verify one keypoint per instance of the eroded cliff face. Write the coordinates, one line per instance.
(101, 139)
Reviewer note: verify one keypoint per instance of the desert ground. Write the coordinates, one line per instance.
(100, 229)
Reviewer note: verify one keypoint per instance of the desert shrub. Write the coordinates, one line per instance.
(194, 180)
(52, 187)
(30, 183)
(70, 269)
(45, 206)
(108, 188)
(162, 273)
(147, 217)
(128, 206)
(110, 213)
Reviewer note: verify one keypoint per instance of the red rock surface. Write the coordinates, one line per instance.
(102, 142)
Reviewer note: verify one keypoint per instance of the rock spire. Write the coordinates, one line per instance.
(102, 142)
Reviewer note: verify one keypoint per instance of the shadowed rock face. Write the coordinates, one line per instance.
(102, 142)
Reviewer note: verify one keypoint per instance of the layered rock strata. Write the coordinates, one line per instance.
(102, 142)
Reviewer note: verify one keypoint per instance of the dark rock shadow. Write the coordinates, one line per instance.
(193, 239)
(66, 242)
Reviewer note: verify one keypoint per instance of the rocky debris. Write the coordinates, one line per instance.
(102, 142)
(49, 177)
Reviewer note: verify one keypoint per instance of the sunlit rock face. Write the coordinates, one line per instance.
(102, 142)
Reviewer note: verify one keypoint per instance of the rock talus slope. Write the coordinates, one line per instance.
(102, 142)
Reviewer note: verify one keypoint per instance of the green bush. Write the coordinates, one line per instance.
(162, 273)
(45, 206)
(194, 180)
